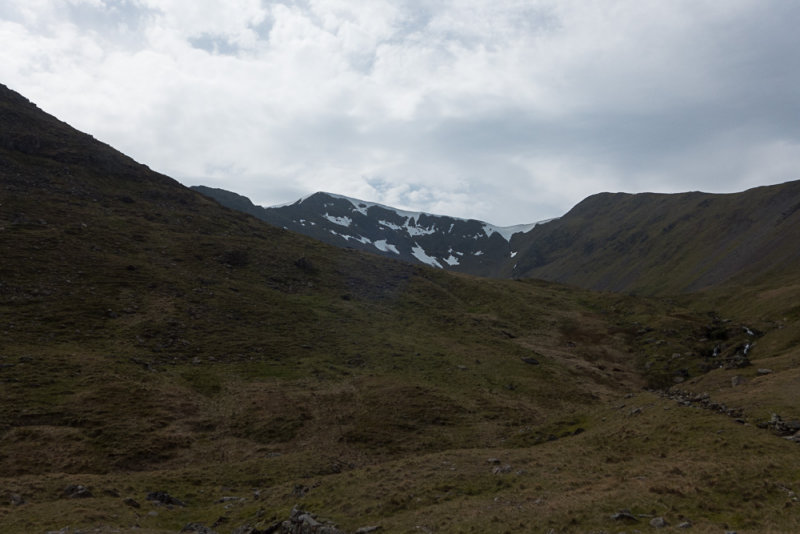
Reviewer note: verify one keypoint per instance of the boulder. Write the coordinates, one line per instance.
(164, 498)
(625, 515)
(303, 522)
(77, 491)
(658, 522)
(198, 528)
(501, 469)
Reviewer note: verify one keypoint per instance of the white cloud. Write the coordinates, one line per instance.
(507, 110)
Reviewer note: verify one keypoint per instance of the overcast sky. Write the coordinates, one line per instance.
(508, 111)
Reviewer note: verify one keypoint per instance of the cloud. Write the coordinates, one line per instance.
(507, 111)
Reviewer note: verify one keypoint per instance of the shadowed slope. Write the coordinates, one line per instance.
(153, 341)
(666, 244)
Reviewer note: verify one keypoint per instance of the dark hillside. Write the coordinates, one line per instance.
(167, 364)
(144, 327)
(666, 244)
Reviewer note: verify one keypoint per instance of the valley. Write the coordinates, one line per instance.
(169, 364)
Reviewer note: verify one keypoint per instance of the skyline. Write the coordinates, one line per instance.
(506, 111)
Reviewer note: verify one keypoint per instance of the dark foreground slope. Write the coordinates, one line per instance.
(666, 244)
(153, 341)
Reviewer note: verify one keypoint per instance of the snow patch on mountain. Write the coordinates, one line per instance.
(507, 231)
(390, 225)
(419, 230)
(385, 247)
(362, 206)
(360, 239)
(341, 221)
(410, 229)
(451, 260)
(419, 253)
(347, 237)
(292, 203)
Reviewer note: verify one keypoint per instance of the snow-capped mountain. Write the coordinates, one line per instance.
(469, 246)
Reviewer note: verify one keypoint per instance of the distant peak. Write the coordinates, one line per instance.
(362, 206)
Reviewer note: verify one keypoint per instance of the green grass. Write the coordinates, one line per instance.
(151, 340)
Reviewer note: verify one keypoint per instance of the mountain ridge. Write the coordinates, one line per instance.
(451, 243)
(666, 243)
(652, 243)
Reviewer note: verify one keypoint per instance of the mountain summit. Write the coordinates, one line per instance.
(464, 245)
(645, 243)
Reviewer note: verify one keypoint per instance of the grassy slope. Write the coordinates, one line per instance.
(661, 244)
(152, 340)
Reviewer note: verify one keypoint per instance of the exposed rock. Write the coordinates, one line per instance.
(738, 360)
(247, 529)
(302, 522)
(763, 371)
(685, 524)
(230, 499)
(783, 428)
(658, 522)
(367, 530)
(501, 469)
(131, 502)
(701, 400)
(625, 515)
(494, 461)
(529, 360)
(77, 491)
(198, 528)
(736, 380)
(164, 498)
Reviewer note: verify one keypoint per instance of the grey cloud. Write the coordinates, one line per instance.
(526, 106)
(119, 19)
(215, 44)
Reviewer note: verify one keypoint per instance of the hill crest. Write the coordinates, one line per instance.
(450, 243)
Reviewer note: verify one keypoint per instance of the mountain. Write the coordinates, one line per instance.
(666, 243)
(461, 245)
(168, 364)
(643, 243)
